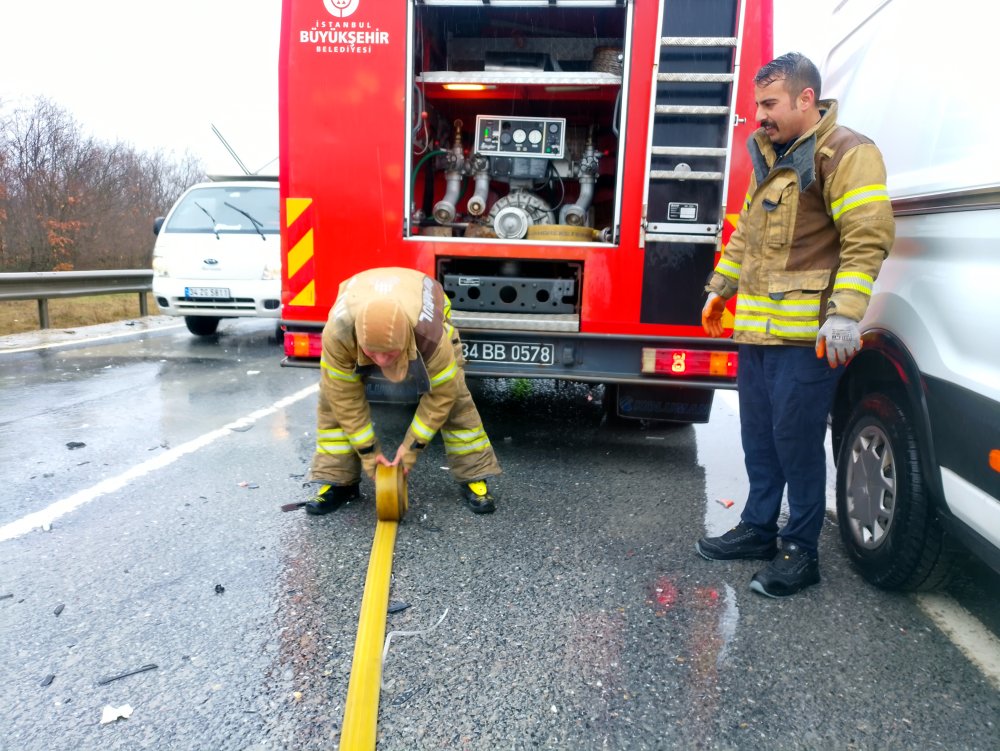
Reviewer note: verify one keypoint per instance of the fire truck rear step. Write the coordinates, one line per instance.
(469, 319)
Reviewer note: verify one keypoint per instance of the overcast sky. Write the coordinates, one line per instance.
(160, 75)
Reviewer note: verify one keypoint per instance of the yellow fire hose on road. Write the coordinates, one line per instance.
(361, 707)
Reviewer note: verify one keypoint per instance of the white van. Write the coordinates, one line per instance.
(218, 253)
(916, 422)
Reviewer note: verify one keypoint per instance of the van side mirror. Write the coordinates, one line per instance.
(157, 223)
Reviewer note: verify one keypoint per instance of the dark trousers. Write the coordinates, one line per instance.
(785, 396)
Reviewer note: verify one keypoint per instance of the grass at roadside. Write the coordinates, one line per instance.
(17, 316)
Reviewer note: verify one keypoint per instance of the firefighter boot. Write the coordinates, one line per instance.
(477, 497)
(332, 497)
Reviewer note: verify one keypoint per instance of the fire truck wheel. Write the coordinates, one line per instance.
(887, 520)
(202, 325)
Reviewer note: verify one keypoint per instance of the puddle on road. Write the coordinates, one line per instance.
(720, 453)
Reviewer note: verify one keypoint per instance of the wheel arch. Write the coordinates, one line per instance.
(884, 364)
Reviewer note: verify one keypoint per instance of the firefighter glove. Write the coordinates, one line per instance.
(711, 315)
(839, 339)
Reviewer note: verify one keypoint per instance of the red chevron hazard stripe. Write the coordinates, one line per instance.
(300, 263)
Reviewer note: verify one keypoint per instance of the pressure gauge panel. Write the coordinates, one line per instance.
(542, 138)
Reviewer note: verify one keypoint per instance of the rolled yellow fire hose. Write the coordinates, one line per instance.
(361, 708)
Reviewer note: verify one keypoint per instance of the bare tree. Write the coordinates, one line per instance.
(68, 201)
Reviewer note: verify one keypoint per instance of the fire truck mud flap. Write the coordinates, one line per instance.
(679, 404)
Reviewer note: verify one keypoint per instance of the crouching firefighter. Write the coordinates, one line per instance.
(396, 321)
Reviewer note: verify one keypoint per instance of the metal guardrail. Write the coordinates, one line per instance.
(45, 285)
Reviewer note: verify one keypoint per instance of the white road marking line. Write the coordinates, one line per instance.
(60, 508)
(966, 632)
(49, 345)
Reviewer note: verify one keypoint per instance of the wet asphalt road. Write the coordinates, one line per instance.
(578, 616)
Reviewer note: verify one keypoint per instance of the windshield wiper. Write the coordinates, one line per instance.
(256, 225)
(210, 217)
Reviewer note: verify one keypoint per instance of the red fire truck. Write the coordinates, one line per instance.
(567, 169)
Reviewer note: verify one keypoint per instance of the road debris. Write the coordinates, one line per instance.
(725, 502)
(110, 678)
(7, 596)
(47, 680)
(397, 606)
(75, 445)
(111, 714)
(219, 589)
(420, 632)
(59, 609)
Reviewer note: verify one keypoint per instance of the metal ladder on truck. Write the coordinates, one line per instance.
(690, 142)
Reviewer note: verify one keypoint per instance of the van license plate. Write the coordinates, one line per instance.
(206, 292)
(529, 353)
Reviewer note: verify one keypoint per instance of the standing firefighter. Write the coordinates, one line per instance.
(811, 238)
(395, 320)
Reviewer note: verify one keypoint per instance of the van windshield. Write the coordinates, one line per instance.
(227, 210)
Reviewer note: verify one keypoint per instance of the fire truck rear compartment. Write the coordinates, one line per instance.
(516, 116)
(511, 286)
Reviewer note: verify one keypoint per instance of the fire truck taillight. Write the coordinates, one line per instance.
(688, 362)
(300, 344)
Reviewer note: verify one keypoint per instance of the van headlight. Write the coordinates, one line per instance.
(160, 266)
(271, 271)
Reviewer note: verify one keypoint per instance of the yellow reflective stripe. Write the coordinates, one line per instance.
(728, 269)
(449, 330)
(458, 442)
(857, 281)
(462, 435)
(333, 441)
(796, 329)
(465, 441)
(785, 329)
(858, 197)
(751, 323)
(447, 306)
(746, 202)
(445, 375)
(332, 434)
(470, 448)
(340, 375)
(363, 436)
(785, 308)
(420, 428)
(334, 447)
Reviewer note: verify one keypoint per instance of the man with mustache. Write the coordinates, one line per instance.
(395, 321)
(815, 228)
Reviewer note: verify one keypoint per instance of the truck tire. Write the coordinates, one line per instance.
(887, 519)
(202, 325)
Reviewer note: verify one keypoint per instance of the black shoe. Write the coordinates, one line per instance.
(792, 570)
(742, 541)
(477, 497)
(332, 497)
